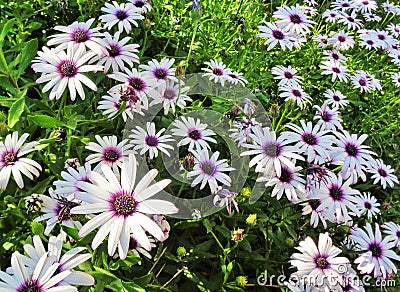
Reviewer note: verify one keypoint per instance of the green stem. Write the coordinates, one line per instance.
(281, 119)
(191, 43)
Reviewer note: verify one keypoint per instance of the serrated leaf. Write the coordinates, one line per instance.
(16, 109)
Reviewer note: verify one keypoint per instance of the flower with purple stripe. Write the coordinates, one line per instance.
(318, 262)
(383, 174)
(12, 162)
(377, 255)
(123, 14)
(209, 170)
(271, 153)
(108, 151)
(160, 71)
(121, 206)
(328, 118)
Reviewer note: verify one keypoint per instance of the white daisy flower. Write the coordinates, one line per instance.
(335, 98)
(218, 72)
(392, 231)
(118, 53)
(396, 78)
(144, 86)
(382, 173)
(336, 69)
(328, 118)
(137, 249)
(364, 81)
(160, 71)
(121, 207)
(111, 104)
(194, 132)
(56, 209)
(237, 78)
(79, 34)
(368, 204)
(209, 170)
(143, 6)
(372, 17)
(352, 155)
(288, 182)
(65, 68)
(172, 94)
(275, 35)
(343, 5)
(286, 75)
(310, 140)
(311, 207)
(322, 40)
(337, 198)
(341, 40)
(242, 130)
(68, 261)
(296, 93)
(366, 6)
(351, 20)
(148, 140)
(394, 29)
(13, 162)
(108, 151)
(271, 152)
(377, 253)
(68, 186)
(334, 55)
(331, 15)
(293, 19)
(226, 198)
(42, 278)
(319, 261)
(123, 14)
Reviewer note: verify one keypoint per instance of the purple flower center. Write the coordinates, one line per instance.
(370, 42)
(80, 36)
(218, 71)
(326, 116)
(114, 50)
(336, 70)
(278, 34)
(294, 18)
(322, 262)
(286, 175)
(315, 204)
(137, 83)
(288, 75)
(336, 193)
(398, 234)
(272, 149)
(121, 14)
(335, 97)
(67, 68)
(160, 73)
(133, 244)
(208, 168)
(365, 2)
(10, 158)
(111, 155)
(375, 249)
(382, 172)
(368, 205)
(139, 3)
(30, 286)
(350, 19)
(351, 149)
(345, 5)
(151, 141)
(309, 138)
(341, 39)
(170, 94)
(335, 56)
(296, 93)
(194, 134)
(124, 204)
(381, 37)
(333, 15)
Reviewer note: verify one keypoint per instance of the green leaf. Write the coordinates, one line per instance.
(16, 109)
(207, 225)
(28, 53)
(45, 121)
(103, 275)
(6, 29)
(37, 228)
